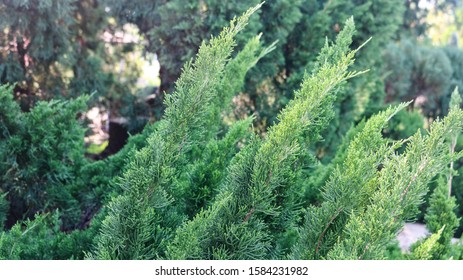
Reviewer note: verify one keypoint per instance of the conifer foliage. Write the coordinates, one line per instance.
(41, 154)
(257, 209)
(148, 202)
(266, 179)
(196, 185)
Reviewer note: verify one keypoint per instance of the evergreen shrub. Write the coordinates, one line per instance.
(196, 185)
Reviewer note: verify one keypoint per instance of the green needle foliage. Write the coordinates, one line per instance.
(425, 249)
(199, 185)
(440, 216)
(441, 213)
(148, 203)
(42, 239)
(41, 153)
(348, 189)
(401, 185)
(257, 209)
(374, 190)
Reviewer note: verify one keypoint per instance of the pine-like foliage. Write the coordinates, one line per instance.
(35, 35)
(41, 153)
(42, 239)
(425, 249)
(255, 213)
(427, 75)
(141, 220)
(199, 185)
(55, 49)
(174, 30)
(440, 215)
(257, 210)
(348, 189)
(401, 185)
(374, 190)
